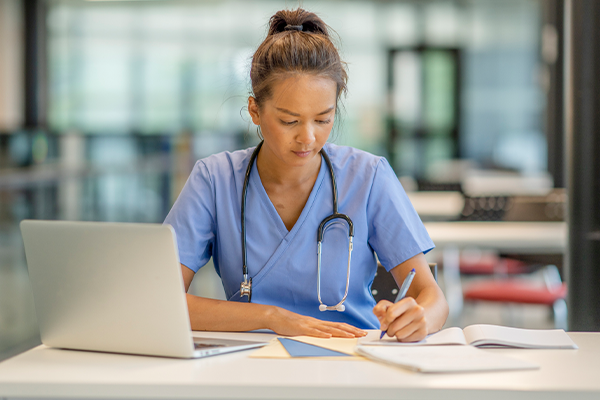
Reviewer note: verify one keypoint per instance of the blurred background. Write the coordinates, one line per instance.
(106, 105)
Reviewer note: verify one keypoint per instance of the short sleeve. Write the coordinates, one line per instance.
(396, 232)
(193, 219)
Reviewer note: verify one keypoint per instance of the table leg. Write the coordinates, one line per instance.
(453, 287)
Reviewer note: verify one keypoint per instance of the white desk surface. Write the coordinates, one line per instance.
(438, 205)
(51, 373)
(520, 237)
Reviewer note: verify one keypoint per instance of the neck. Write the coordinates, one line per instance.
(273, 171)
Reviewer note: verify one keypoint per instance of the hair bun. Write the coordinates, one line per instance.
(296, 20)
(297, 42)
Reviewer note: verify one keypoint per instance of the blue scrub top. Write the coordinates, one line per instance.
(283, 264)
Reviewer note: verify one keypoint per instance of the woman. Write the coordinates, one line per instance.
(297, 79)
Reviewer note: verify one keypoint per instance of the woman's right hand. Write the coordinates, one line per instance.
(284, 322)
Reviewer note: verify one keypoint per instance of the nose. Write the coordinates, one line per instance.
(306, 135)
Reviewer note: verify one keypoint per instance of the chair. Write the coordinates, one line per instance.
(552, 293)
(492, 264)
(505, 286)
(384, 285)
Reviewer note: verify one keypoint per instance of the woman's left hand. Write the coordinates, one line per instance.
(405, 319)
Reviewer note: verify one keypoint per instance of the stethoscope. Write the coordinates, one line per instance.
(246, 285)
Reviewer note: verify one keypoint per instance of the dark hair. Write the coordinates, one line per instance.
(298, 41)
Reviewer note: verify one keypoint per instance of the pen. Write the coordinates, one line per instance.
(403, 289)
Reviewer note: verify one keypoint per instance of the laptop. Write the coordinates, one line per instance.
(113, 287)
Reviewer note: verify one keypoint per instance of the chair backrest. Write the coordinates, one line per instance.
(384, 286)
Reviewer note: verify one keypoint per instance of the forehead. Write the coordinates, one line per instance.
(303, 93)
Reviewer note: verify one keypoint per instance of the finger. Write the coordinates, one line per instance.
(317, 333)
(396, 310)
(417, 335)
(414, 314)
(346, 327)
(380, 308)
(412, 331)
(343, 334)
(408, 327)
(351, 331)
(349, 328)
(336, 331)
(380, 311)
(406, 331)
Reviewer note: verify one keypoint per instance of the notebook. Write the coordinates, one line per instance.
(113, 287)
(443, 359)
(483, 335)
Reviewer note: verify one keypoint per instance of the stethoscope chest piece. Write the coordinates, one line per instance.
(246, 288)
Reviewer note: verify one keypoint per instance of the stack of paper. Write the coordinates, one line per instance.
(435, 359)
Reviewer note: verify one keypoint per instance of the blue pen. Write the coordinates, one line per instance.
(403, 289)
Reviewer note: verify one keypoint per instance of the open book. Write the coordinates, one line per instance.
(482, 335)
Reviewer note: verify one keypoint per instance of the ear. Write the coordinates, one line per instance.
(253, 110)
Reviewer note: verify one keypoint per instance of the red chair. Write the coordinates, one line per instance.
(551, 293)
(492, 265)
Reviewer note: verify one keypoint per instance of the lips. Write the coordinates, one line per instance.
(302, 153)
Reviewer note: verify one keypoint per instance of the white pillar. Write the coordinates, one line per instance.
(11, 65)
(72, 161)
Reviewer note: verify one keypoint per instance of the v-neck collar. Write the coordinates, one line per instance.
(275, 217)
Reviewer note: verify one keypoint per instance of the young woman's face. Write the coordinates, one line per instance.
(297, 120)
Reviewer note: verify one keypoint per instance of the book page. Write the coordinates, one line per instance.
(448, 336)
(494, 335)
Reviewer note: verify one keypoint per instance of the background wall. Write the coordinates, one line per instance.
(138, 90)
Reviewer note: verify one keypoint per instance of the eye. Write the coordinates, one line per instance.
(288, 123)
(324, 122)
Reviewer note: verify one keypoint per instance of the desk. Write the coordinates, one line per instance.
(51, 373)
(517, 237)
(508, 237)
(432, 205)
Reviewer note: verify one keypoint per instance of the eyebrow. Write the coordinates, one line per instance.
(297, 115)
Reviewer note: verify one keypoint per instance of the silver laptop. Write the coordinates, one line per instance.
(113, 287)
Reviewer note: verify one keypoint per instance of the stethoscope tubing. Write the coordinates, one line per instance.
(246, 285)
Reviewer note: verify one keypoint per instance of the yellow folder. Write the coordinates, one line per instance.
(344, 345)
